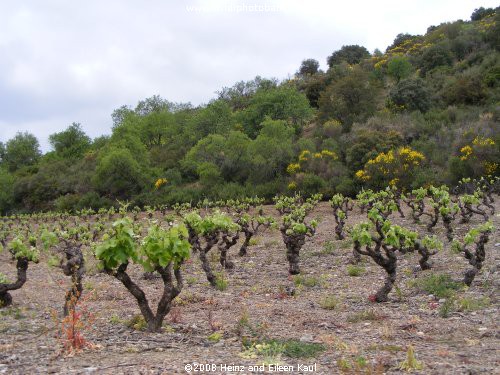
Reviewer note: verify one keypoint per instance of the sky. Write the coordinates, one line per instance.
(67, 61)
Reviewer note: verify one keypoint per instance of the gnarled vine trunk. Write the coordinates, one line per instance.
(170, 291)
(22, 268)
(74, 267)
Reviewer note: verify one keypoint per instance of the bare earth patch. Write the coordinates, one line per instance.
(326, 305)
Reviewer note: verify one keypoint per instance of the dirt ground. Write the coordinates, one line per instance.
(328, 307)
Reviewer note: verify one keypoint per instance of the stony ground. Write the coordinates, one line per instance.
(328, 307)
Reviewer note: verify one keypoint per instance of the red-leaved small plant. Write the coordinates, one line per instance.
(73, 326)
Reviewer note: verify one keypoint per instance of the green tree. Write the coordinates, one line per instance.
(364, 144)
(216, 117)
(118, 174)
(435, 56)
(6, 191)
(281, 103)
(120, 114)
(2, 152)
(309, 67)
(492, 35)
(210, 175)
(480, 13)
(238, 96)
(399, 40)
(313, 86)
(228, 153)
(351, 98)
(153, 104)
(399, 67)
(351, 54)
(410, 94)
(70, 143)
(464, 89)
(22, 150)
(271, 152)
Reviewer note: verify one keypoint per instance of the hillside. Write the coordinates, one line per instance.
(423, 112)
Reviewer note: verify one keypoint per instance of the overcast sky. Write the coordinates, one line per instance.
(66, 61)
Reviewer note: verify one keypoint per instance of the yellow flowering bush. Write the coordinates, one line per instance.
(304, 155)
(160, 182)
(395, 167)
(293, 168)
(320, 164)
(330, 154)
(466, 151)
(480, 157)
(480, 141)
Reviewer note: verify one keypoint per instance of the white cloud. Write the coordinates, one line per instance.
(64, 61)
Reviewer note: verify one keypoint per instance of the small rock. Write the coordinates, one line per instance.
(90, 369)
(431, 296)
(482, 329)
(497, 244)
(367, 324)
(420, 333)
(307, 338)
(442, 300)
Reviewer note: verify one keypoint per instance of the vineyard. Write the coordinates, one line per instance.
(390, 282)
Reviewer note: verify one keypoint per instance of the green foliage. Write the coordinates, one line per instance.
(70, 143)
(161, 247)
(354, 270)
(308, 281)
(6, 191)
(411, 95)
(351, 54)
(308, 67)
(19, 249)
(351, 98)
(21, 151)
(137, 322)
(299, 349)
(242, 141)
(220, 282)
(215, 337)
(439, 285)
(48, 238)
(118, 174)
(280, 103)
(363, 316)
(399, 67)
(270, 153)
(118, 248)
(330, 303)
(481, 12)
(215, 222)
(437, 55)
(473, 234)
(272, 349)
(411, 363)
